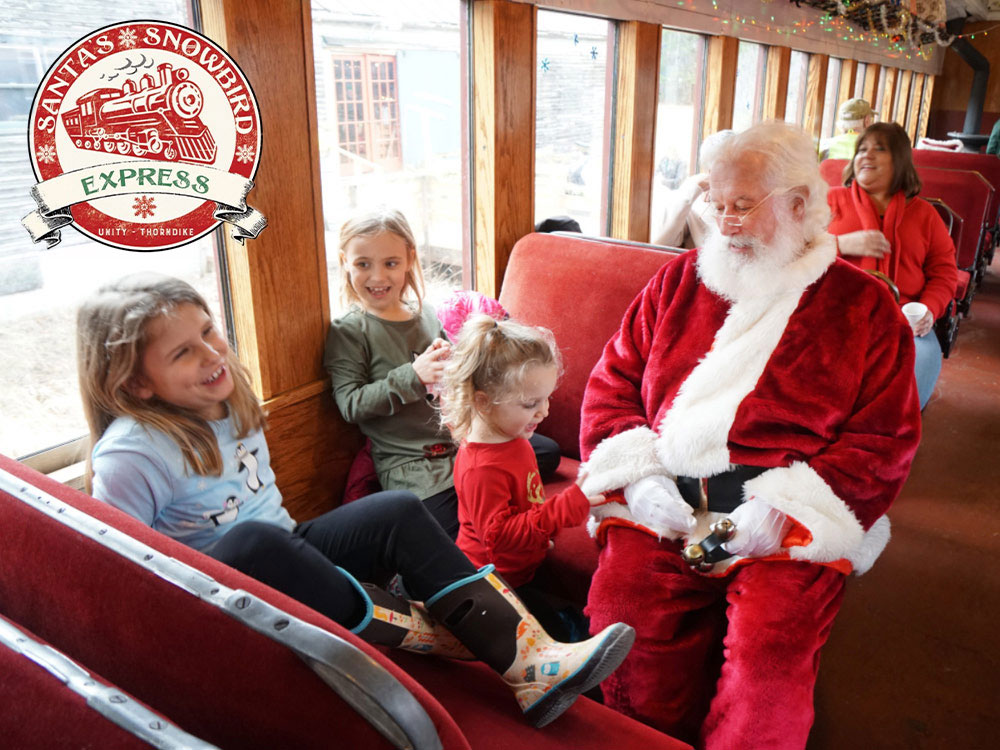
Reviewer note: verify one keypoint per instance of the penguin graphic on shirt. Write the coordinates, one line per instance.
(248, 461)
(228, 514)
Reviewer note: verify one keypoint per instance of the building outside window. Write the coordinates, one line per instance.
(571, 108)
(389, 106)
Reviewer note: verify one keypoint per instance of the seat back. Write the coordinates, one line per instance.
(951, 219)
(969, 195)
(987, 165)
(832, 171)
(214, 676)
(578, 288)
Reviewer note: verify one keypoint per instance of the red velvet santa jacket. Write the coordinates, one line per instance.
(813, 379)
(922, 261)
(504, 516)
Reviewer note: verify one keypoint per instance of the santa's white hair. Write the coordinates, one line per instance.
(789, 160)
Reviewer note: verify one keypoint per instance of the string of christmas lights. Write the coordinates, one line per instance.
(883, 23)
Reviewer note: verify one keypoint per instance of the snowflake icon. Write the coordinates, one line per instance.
(244, 154)
(127, 38)
(46, 154)
(144, 207)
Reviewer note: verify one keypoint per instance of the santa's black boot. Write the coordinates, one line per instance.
(546, 675)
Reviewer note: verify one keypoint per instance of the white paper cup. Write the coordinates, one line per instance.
(914, 312)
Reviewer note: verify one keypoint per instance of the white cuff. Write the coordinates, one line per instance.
(620, 460)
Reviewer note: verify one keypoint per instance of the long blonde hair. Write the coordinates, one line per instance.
(111, 335)
(491, 356)
(368, 225)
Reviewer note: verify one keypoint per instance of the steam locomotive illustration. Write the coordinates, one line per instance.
(156, 118)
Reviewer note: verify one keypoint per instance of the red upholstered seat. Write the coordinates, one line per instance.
(987, 165)
(969, 195)
(832, 170)
(40, 711)
(213, 676)
(210, 674)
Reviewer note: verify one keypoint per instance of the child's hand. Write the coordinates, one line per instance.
(596, 500)
(429, 365)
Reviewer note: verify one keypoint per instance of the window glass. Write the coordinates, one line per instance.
(749, 98)
(859, 81)
(41, 289)
(877, 104)
(570, 107)
(795, 101)
(830, 97)
(389, 114)
(678, 116)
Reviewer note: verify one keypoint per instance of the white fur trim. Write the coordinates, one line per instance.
(798, 491)
(874, 542)
(620, 460)
(694, 433)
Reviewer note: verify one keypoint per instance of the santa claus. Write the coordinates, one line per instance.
(764, 380)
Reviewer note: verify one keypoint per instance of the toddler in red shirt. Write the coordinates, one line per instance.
(496, 391)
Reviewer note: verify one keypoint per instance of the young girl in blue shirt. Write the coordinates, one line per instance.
(177, 437)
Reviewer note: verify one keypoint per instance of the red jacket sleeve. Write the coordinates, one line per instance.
(505, 529)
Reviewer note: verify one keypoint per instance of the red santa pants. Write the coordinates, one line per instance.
(727, 662)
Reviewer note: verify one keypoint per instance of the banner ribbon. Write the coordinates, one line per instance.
(142, 177)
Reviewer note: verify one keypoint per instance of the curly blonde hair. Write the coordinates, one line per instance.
(112, 329)
(492, 357)
(368, 225)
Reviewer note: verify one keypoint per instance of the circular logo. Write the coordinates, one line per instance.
(151, 122)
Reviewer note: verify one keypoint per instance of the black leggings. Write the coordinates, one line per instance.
(372, 539)
(444, 505)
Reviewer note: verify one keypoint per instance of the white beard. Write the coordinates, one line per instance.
(761, 270)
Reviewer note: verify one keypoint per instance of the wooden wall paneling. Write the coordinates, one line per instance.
(812, 120)
(504, 38)
(913, 115)
(635, 129)
(870, 91)
(925, 105)
(279, 281)
(720, 84)
(848, 75)
(902, 97)
(779, 60)
(888, 94)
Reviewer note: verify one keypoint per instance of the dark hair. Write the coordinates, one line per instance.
(558, 224)
(904, 174)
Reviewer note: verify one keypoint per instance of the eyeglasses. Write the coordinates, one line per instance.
(736, 219)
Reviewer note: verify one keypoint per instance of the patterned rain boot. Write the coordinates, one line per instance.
(545, 675)
(390, 621)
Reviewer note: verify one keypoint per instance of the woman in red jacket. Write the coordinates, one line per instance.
(881, 225)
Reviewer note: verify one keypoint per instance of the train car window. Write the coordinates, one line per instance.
(389, 103)
(41, 289)
(830, 97)
(571, 107)
(749, 97)
(859, 81)
(880, 91)
(678, 114)
(795, 103)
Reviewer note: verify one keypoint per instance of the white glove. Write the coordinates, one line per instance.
(865, 242)
(759, 529)
(656, 503)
